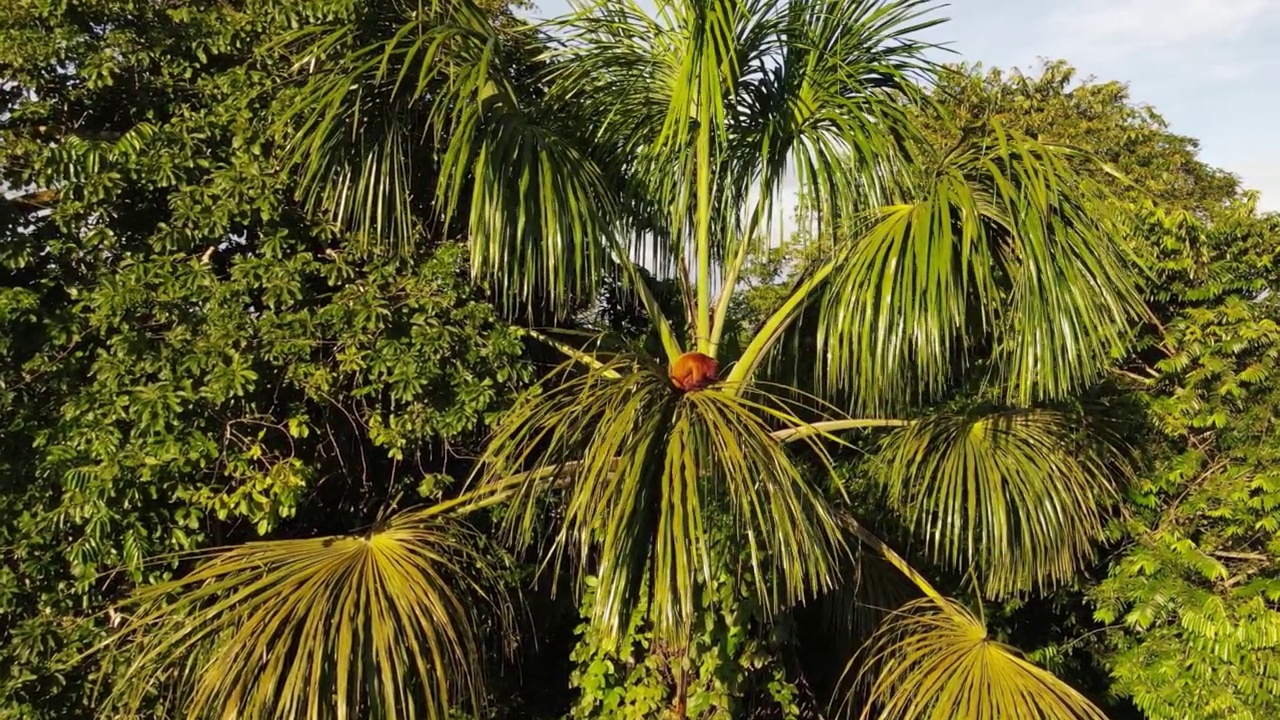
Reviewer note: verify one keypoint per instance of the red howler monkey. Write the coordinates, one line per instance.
(694, 371)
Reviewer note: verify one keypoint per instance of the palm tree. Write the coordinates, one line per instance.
(963, 297)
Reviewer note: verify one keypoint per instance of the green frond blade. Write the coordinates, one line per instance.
(1001, 260)
(430, 129)
(1075, 294)
(937, 662)
(353, 125)
(650, 478)
(381, 625)
(1017, 497)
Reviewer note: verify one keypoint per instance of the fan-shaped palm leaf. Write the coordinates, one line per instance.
(1017, 496)
(654, 475)
(380, 625)
(935, 661)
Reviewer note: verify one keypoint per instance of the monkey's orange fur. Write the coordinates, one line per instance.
(694, 371)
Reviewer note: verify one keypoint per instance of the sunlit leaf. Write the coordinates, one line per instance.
(1017, 497)
(380, 625)
(937, 662)
(1001, 260)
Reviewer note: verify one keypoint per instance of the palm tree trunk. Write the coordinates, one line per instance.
(681, 707)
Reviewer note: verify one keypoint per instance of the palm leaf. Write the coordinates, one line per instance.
(1019, 497)
(381, 625)
(935, 661)
(707, 106)
(1002, 261)
(429, 125)
(655, 476)
(353, 126)
(1075, 292)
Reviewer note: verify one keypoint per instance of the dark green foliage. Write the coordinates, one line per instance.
(730, 668)
(184, 359)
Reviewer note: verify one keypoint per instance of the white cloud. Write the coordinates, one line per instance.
(1119, 28)
(1263, 176)
(1229, 71)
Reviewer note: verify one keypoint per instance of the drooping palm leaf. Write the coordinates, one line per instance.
(1001, 260)
(708, 106)
(1017, 497)
(654, 475)
(434, 124)
(354, 125)
(1075, 297)
(935, 661)
(380, 625)
(932, 659)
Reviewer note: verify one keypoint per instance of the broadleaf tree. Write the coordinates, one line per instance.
(1190, 596)
(186, 358)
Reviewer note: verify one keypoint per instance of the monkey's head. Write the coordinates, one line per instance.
(694, 371)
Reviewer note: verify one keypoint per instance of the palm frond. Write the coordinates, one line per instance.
(354, 123)
(835, 107)
(656, 476)
(422, 118)
(542, 213)
(1018, 497)
(709, 105)
(934, 661)
(1075, 294)
(381, 625)
(1002, 260)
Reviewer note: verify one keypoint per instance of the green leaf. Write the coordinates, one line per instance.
(1017, 497)
(1001, 257)
(934, 661)
(384, 622)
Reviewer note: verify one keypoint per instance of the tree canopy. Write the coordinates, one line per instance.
(1192, 589)
(1057, 105)
(407, 360)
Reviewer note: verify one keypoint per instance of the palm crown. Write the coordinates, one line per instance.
(621, 142)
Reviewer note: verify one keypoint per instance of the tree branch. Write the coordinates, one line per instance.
(1255, 557)
(832, 426)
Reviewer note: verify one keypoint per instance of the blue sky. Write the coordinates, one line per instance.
(1211, 67)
